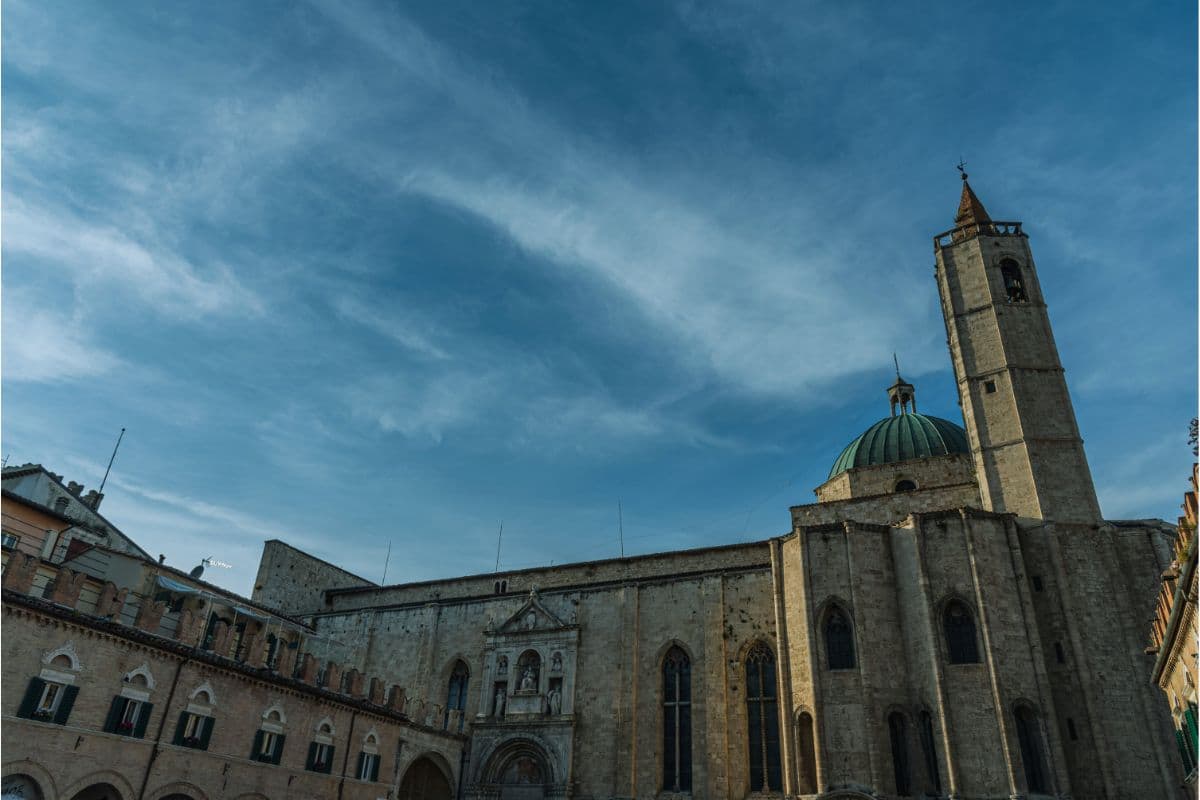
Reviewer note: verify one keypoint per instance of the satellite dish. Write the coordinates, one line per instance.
(197, 571)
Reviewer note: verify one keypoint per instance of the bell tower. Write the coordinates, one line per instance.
(1021, 427)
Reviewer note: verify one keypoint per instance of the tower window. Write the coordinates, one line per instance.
(1059, 654)
(905, 485)
(989, 387)
(899, 742)
(1014, 285)
(1071, 729)
(1037, 583)
(1030, 741)
(839, 641)
(456, 696)
(929, 750)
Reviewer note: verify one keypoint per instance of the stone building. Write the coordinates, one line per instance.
(1173, 635)
(953, 617)
(124, 678)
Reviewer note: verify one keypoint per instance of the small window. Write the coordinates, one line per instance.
(48, 701)
(194, 731)
(320, 757)
(268, 747)
(960, 634)
(10, 541)
(839, 641)
(368, 767)
(989, 387)
(1059, 654)
(905, 486)
(128, 717)
(1071, 729)
(1037, 583)
(48, 704)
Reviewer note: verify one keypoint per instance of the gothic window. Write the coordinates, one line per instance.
(807, 754)
(929, 750)
(677, 722)
(839, 640)
(1030, 741)
(899, 737)
(762, 720)
(905, 486)
(960, 634)
(456, 697)
(1014, 286)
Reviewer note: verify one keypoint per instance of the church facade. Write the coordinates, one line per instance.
(953, 617)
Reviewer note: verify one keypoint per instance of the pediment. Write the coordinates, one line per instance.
(533, 616)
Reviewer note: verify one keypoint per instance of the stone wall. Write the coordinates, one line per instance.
(953, 469)
(295, 582)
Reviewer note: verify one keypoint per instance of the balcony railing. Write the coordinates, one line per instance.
(975, 229)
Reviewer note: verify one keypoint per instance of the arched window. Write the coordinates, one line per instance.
(1030, 741)
(807, 747)
(762, 720)
(839, 640)
(1014, 286)
(899, 736)
(929, 750)
(677, 722)
(960, 634)
(456, 697)
(906, 485)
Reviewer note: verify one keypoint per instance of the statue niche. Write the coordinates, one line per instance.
(529, 667)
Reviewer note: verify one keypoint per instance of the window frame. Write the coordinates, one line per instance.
(677, 721)
(769, 770)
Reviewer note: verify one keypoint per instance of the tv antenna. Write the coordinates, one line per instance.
(620, 529)
(386, 559)
(110, 461)
(499, 537)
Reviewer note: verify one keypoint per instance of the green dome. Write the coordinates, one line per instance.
(900, 438)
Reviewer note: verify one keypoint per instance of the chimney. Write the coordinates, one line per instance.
(75, 488)
(92, 500)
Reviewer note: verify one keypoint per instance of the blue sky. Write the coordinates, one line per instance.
(357, 273)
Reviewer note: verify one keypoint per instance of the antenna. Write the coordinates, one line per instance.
(621, 528)
(5, 462)
(386, 559)
(896, 361)
(499, 537)
(110, 461)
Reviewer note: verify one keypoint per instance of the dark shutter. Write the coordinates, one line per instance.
(32, 695)
(375, 770)
(277, 756)
(256, 747)
(115, 712)
(178, 740)
(64, 705)
(358, 771)
(139, 728)
(329, 760)
(312, 755)
(206, 726)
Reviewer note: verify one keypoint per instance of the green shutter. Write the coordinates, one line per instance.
(1190, 716)
(312, 755)
(256, 747)
(277, 756)
(359, 769)
(329, 763)
(375, 770)
(33, 693)
(139, 728)
(178, 740)
(1183, 751)
(206, 726)
(115, 712)
(64, 705)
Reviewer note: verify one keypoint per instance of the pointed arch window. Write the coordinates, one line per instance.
(960, 634)
(677, 721)
(1014, 285)
(899, 737)
(839, 640)
(762, 719)
(929, 750)
(1030, 741)
(456, 696)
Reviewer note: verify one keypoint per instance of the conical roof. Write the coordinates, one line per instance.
(970, 210)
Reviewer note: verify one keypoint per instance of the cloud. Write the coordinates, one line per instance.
(43, 346)
(403, 326)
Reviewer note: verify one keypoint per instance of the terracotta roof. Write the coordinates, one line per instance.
(970, 210)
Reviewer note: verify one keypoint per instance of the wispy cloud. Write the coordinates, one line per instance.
(42, 345)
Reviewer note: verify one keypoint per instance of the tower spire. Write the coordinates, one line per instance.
(970, 210)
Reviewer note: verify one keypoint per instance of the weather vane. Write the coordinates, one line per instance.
(962, 167)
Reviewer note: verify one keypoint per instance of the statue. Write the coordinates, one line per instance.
(530, 620)
(502, 665)
(555, 699)
(528, 680)
(499, 702)
(556, 662)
